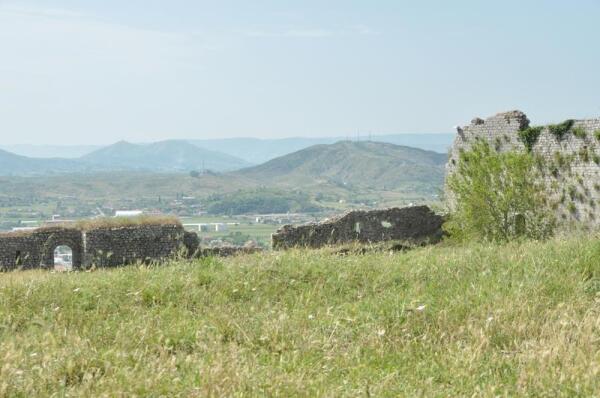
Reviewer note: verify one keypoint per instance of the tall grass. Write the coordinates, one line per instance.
(478, 320)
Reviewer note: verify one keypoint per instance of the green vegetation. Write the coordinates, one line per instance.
(597, 134)
(478, 320)
(529, 136)
(117, 222)
(560, 130)
(496, 196)
(572, 208)
(261, 201)
(355, 166)
(339, 177)
(584, 154)
(579, 132)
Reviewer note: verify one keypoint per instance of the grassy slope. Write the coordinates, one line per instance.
(517, 320)
(360, 164)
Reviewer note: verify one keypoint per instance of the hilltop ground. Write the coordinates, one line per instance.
(484, 320)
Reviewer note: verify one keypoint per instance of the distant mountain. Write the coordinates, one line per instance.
(365, 164)
(11, 164)
(251, 150)
(51, 151)
(257, 151)
(164, 156)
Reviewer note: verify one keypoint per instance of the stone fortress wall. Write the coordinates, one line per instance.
(103, 247)
(570, 151)
(411, 224)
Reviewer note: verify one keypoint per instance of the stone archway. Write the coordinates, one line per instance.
(59, 239)
(63, 258)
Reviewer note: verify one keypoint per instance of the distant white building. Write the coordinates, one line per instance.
(128, 213)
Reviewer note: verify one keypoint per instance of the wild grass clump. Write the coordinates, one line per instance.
(529, 136)
(579, 132)
(119, 222)
(561, 129)
(102, 223)
(477, 320)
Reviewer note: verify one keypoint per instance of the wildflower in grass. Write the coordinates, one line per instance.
(421, 308)
(381, 332)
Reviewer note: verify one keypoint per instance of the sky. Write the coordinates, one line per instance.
(98, 71)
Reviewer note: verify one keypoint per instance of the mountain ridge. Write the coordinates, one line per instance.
(164, 156)
(363, 164)
(169, 155)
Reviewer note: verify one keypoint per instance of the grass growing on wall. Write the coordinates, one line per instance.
(117, 222)
(529, 136)
(103, 223)
(561, 129)
(579, 132)
(475, 320)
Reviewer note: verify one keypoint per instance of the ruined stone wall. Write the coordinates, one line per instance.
(406, 224)
(36, 249)
(572, 175)
(103, 247)
(110, 247)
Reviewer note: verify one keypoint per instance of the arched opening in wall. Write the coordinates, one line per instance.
(63, 258)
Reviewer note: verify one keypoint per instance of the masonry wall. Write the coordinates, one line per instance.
(405, 224)
(112, 247)
(572, 175)
(36, 249)
(103, 247)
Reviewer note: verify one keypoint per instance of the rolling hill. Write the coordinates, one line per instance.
(11, 164)
(50, 151)
(372, 165)
(163, 156)
(257, 150)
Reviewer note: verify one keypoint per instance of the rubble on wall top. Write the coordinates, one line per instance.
(508, 117)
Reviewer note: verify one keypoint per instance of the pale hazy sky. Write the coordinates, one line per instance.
(98, 71)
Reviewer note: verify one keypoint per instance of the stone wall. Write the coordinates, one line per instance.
(572, 175)
(103, 247)
(112, 247)
(406, 224)
(36, 249)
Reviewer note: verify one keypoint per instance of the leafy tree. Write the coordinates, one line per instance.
(498, 196)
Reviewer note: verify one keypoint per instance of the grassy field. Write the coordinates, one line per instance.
(480, 320)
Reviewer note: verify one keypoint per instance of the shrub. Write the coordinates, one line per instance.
(572, 192)
(529, 136)
(559, 130)
(584, 154)
(597, 134)
(579, 132)
(497, 197)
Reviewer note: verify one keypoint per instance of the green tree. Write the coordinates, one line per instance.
(498, 196)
